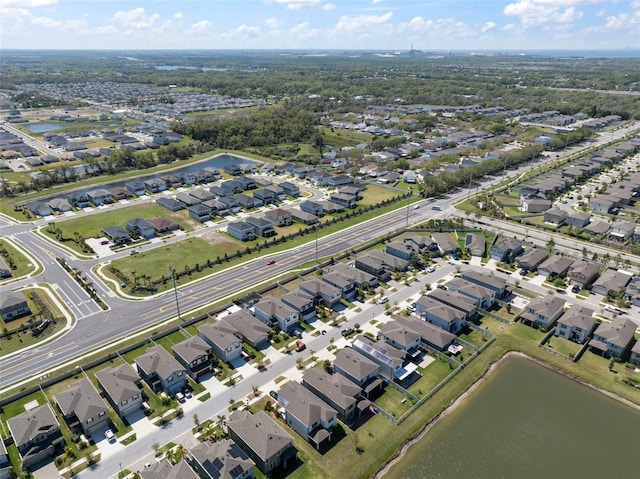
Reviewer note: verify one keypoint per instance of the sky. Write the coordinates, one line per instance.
(428, 25)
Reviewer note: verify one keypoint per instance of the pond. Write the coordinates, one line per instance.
(44, 127)
(527, 421)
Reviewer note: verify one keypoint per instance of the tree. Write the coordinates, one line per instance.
(551, 244)
(196, 421)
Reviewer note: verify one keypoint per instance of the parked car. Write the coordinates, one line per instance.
(180, 397)
(575, 288)
(187, 392)
(411, 307)
(383, 300)
(109, 435)
(442, 286)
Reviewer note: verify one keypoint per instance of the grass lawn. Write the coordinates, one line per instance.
(472, 336)
(563, 346)
(22, 263)
(392, 402)
(375, 194)
(432, 375)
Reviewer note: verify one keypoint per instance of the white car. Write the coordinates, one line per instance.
(383, 300)
(109, 435)
(180, 397)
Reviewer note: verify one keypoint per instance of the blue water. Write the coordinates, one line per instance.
(43, 127)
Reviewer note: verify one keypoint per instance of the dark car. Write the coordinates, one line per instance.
(271, 261)
(274, 395)
(442, 286)
(575, 289)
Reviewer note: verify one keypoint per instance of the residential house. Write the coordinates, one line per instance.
(119, 193)
(290, 189)
(312, 207)
(266, 197)
(100, 196)
(506, 249)
(141, 227)
(362, 278)
(79, 199)
(225, 344)
(359, 369)
(36, 434)
(622, 230)
(221, 460)
(219, 191)
(60, 205)
(401, 337)
(535, 204)
(231, 203)
(200, 213)
(261, 226)
(346, 283)
(482, 297)
(336, 390)
(117, 234)
(597, 228)
(556, 216)
(424, 244)
(172, 181)
(38, 208)
(583, 273)
(303, 217)
(246, 327)
(543, 311)
(380, 264)
(164, 225)
(217, 207)
(491, 281)
(241, 230)
(603, 204)
(301, 302)
(170, 203)
(633, 291)
(161, 371)
(465, 304)
(247, 183)
(136, 187)
(279, 217)
(343, 199)
(5, 271)
(232, 169)
(277, 191)
(634, 358)
(273, 311)
(262, 439)
(166, 470)
(121, 386)
(195, 355)
(555, 266)
(307, 414)
(576, 325)
(390, 359)
(401, 250)
(443, 316)
(430, 336)
(446, 244)
(12, 307)
(578, 219)
(611, 280)
(530, 260)
(614, 338)
(155, 185)
(475, 244)
(82, 407)
(322, 292)
(247, 202)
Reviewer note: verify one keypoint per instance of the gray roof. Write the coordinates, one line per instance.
(612, 279)
(399, 333)
(618, 332)
(556, 264)
(578, 317)
(29, 424)
(439, 309)
(335, 387)
(119, 382)
(165, 470)
(158, 360)
(454, 299)
(191, 348)
(445, 241)
(259, 432)
(222, 459)
(10, 301)
(546, 306)
(247, 326)
(470, 289)
(298, 298)
(218, 336)
(427, 331)
(82, 399)
(533, 258)
(355, 363)
(274, 308)
(304, 405)
(489, 280)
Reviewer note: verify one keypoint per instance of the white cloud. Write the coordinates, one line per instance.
(136, 18)
(26, 3)
(360, 24)
(299, 4)
(178, 15)
(199, 28)
(542, 12)
(303, 32)
(488, 26)
(328, 6)
(375, 2)
(272, 23)
(243, 31)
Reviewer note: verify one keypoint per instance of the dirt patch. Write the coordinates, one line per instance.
(215, 237)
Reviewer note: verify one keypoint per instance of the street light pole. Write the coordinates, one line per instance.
(175, 290)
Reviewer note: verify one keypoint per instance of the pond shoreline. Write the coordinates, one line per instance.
(455, 403)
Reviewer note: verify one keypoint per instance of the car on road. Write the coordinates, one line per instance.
(180, 397)
(436, 207)
(271, 261)
(431, 269)
(300, 347)
(324, 331)
(134, 251)
(109, 435)
(383, 300)
(346, 332)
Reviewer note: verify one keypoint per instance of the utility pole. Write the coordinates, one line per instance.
(175, 290)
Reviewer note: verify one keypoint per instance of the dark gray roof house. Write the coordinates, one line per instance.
(13, 306)
(195, 355)
(122, 388)
(221, 460)
(456, 300)
(611, 280)
(583, 273)
(161, 371)
(614, 338)
(505, 248)
(475, 244)
(430, 336)
(446, 244)
(36, 434)
(532, 259)
(356, 367)
(262, 439)
(82, 407)
(225, 344)
(246, 327)
(301, 302)
(576, 325)
(491, 281)
(117, 234)
(273, 311)
(336, 390)
(555, 266)
(542, 311)
(165, 470)
(241, 230)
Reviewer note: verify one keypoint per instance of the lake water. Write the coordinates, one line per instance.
(44, 127)
(526, 421)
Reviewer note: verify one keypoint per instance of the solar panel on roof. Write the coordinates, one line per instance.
(217, 463)
(235, 451)
(236, 471)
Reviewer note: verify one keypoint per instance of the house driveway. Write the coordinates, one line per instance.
(48, 471)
